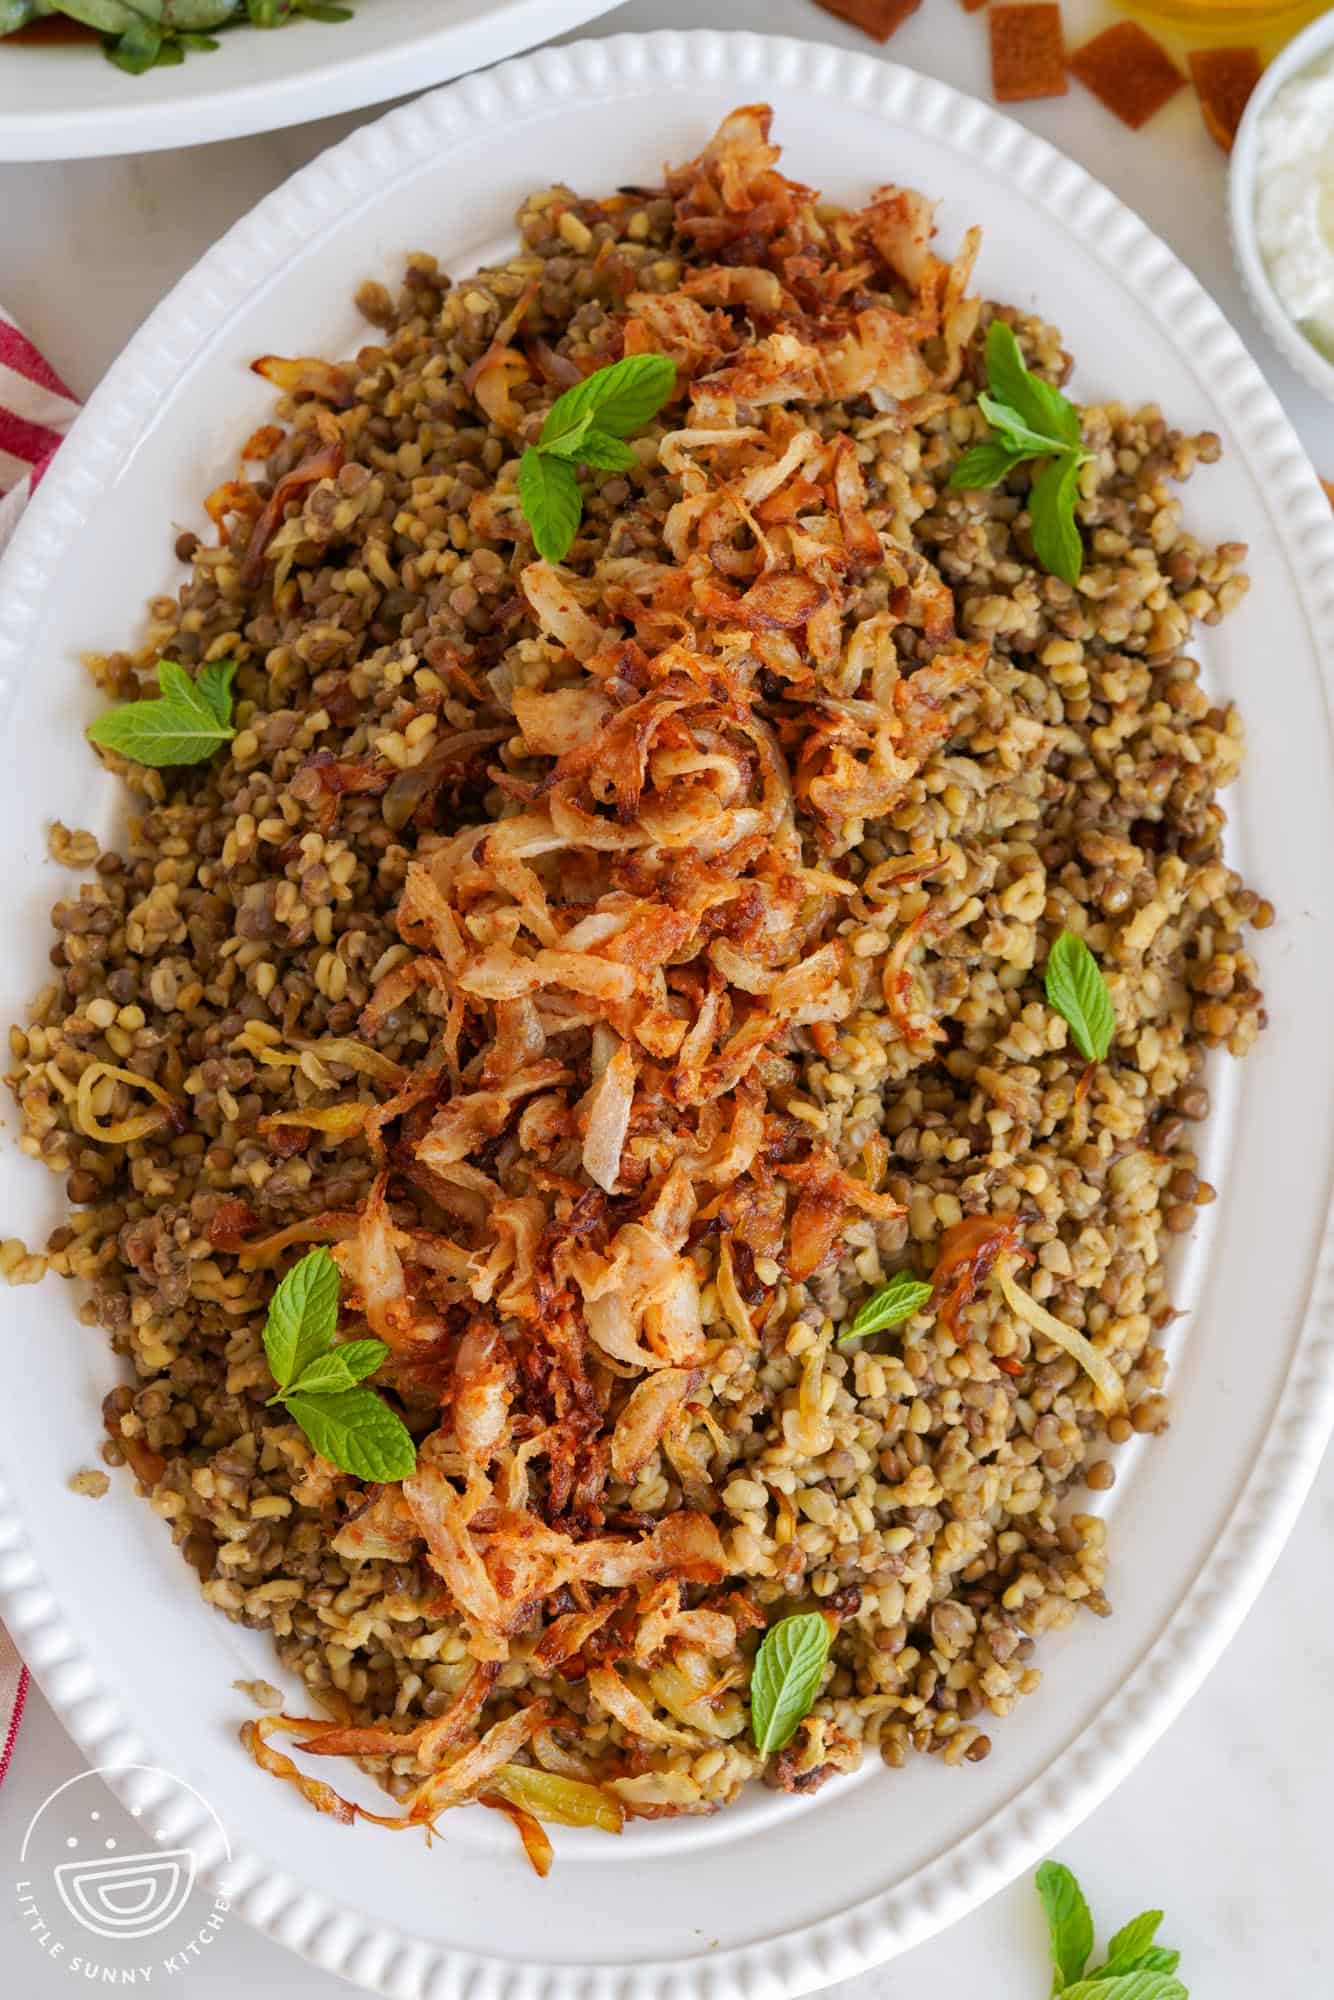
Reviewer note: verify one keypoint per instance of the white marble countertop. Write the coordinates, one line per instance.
(1225, 1824)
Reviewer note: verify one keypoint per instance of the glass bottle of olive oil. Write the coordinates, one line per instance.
(1266, 23)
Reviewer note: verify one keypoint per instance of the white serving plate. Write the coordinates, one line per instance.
(65, 101)
(777, 1895)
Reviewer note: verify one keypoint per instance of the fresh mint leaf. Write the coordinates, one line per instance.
(303, 1317)
(598, 450)
(986, 464)
(1128, 1986)
(1130, 1942)
(1069, 1924)
(1051, 508)
(357, 1432)
(1015, 433)
(550, 497)
(890, 1306)
(184, 725)
(317, 1382)
(1135, 1968)
(1155, 1959)
(622, 398)
(215, 677)
(341, 1368)
(785, 1678)
(361, 1357)
(586, 426)
(1032, 420)
(567, 444)
(1036, 403)
(1077, 990)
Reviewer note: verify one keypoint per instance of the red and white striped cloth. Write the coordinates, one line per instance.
(36, 409)
(13, 1694)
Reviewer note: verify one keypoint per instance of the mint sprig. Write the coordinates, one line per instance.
(587, 426)
(1032, 420)
(785, 1678)
(1077, 990)
(1135, 1967)
(1069, 1923)
(1133, 1949)
(890, 1306)
(185, 723)
(550, 497)
(318, 1382)
(357, 1432)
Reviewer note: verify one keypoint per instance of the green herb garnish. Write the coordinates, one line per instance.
(318, 1382)
(1031, 420)
(890, 1306)
(587, 426)
(1135, 1967)
(1078, 992)
(785, 1678)
(1069, 1923)
(184, 725)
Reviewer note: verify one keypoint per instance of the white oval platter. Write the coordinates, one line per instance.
(775, 1896)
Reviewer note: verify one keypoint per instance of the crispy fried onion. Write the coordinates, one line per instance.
(97, 1083)
(306, 375)
(1110, 1391)
(323, 461)
(500, 1562)
(335, 1122)
(454, 1783)
(311, 1058)
(611, 978)
(565, 1801)
(969, 1251)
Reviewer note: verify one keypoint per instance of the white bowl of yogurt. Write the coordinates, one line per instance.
(1281, 201)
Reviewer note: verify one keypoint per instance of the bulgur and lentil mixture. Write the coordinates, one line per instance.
(627, 966)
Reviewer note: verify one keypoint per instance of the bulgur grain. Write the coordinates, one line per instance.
(919, 1484)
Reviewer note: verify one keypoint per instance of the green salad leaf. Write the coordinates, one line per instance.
(139, 35)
